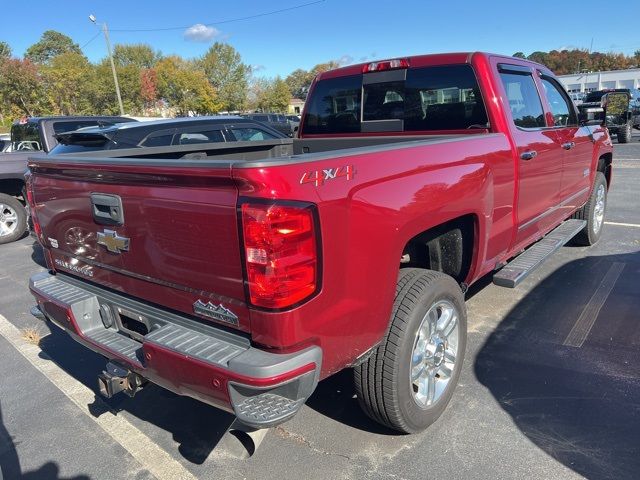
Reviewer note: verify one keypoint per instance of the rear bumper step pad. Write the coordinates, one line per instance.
(181, 354)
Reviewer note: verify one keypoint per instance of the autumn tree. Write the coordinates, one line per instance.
(21, 87)
(5, 50)
(185, 88)
(275, 96)
(69, 79)
(139, 55)
(227, 74)
(149, 87)
(50, 45)
(298, 82)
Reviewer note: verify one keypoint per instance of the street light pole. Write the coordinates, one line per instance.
(105, 30)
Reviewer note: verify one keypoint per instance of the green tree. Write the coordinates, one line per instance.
(185, 88)
(5, 50)
(50, 45)
(519, 55)
(22, 87)
(69, 79)
(275, 96)
(140, 55)
(298, 82)
(224, 69)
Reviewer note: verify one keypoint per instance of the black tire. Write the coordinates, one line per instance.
(383, 384)
(592, 231)
(19, 226)
(624, 133)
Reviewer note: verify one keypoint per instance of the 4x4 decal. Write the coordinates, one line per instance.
(319, 177)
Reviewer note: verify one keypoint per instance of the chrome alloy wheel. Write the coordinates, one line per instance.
(8, 220)
(598, 211)
(434, 353)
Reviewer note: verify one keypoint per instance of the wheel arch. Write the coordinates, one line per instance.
(450, 247)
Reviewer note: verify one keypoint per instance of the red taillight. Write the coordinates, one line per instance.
(281, 254)
(386, 65)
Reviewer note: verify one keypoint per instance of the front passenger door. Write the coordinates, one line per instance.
(576, 144)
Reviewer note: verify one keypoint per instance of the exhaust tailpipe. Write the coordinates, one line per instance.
(242, 441)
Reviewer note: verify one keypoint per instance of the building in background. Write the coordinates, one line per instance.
(295, 106)
(589, 82)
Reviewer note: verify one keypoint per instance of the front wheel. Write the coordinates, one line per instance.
(13, 219)
(593, 212)
(409, 379)
(624, 134)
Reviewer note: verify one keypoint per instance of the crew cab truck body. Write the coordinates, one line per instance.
(242, 281)
(29, 135)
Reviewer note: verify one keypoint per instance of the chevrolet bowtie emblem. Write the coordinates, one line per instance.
(113, 242)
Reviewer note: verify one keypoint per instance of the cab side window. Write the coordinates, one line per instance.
(563, 114)
(524, 101)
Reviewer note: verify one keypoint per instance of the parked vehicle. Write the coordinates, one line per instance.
(163, 133)
(30, 135)
(242, 282)
(276, 121)
(626, 121)
(5, 142)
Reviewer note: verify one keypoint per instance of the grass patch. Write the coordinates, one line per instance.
(32, 336)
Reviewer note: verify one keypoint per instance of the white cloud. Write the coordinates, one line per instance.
(345, 60)
(201, 33)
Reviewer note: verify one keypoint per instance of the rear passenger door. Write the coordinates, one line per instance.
(539, 158)
(576, 145)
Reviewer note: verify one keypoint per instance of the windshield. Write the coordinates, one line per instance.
(429, 99)
(25, 136)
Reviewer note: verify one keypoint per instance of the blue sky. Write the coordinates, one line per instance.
(352, 31)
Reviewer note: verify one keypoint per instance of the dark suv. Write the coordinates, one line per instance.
(276, 121)
(623, 130)
(161, 133)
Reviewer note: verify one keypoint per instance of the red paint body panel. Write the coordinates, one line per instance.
(183, 221)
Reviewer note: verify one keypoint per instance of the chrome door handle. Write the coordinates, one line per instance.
(568, 145)
(528, 155)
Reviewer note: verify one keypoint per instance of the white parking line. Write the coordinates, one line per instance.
(142, 448)
(618, 224)
(589, 315)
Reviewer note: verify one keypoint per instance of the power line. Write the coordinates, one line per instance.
(264, 14)
(92, 39)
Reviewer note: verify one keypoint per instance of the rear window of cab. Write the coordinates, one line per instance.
(430, 98)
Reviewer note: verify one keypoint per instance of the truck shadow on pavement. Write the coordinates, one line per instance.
(194, 426)
(578, 403)
(10, 468)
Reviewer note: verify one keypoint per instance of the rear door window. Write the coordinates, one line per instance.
(195, 135)
(250, 134)
(427, 99)
(524, 100)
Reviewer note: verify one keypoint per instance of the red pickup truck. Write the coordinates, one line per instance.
(243, 275)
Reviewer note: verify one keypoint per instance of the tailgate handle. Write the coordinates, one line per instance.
(107, 209)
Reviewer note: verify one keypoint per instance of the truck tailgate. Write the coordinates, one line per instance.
(155, 230)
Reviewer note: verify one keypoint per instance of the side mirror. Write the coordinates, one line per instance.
(616, 108)
(591, 116)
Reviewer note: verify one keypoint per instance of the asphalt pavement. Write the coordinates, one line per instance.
(531, 402)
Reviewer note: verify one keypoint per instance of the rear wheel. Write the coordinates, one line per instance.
(13, 219)
(624, 134)
(593, 212)
(409, 379)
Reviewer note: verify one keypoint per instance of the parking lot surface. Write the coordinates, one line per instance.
(549, 389)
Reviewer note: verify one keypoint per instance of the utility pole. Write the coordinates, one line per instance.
(105, 30)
